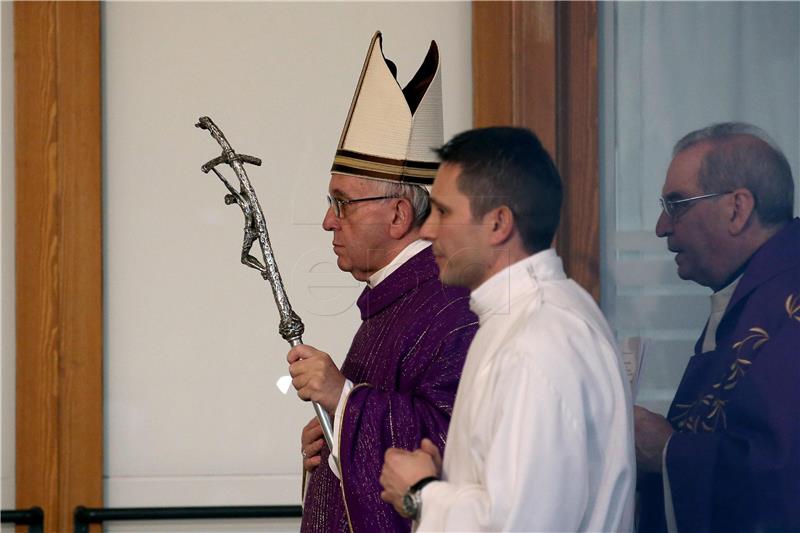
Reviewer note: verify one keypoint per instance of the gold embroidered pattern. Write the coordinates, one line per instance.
(758, 334)
(688, 420)
(793, 306)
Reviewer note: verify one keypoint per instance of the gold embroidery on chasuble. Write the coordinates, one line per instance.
(711, 405)
(793, 306)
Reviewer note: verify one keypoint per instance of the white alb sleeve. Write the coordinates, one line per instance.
(669, 509)
(333, 458)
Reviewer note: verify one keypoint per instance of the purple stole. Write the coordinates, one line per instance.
(405, 362)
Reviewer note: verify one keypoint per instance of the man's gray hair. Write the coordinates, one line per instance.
(759, 167)
(416, 194)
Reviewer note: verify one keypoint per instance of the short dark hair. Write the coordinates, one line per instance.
(744, 156)
(509, 166)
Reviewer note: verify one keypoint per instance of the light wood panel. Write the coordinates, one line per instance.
(578, 144)
(535, 65)
(58, 258)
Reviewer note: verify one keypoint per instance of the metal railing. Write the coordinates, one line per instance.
(33, 518)
(85, 516)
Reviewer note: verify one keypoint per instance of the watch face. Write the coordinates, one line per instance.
(409, 505)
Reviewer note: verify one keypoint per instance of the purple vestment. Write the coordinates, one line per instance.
(734, 459)
(405, 362)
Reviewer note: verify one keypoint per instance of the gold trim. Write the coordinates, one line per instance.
(383, 167)
(416, 163)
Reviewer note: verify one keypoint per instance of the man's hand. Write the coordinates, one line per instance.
(652, 431)
(402, 468)
(311, 445)
(315, 376)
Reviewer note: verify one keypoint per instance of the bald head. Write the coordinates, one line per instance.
(743, 156)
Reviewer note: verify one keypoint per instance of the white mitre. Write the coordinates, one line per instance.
(390, 132)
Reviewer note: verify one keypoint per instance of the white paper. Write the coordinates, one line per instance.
(633, 350)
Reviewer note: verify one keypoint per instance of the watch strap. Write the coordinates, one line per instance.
(419, 485)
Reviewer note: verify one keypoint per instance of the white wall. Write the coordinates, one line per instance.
(7, 319)
(193, 415)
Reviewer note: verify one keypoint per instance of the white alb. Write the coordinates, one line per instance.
(541, 437)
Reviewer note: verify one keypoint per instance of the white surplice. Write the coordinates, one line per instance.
(541, 437)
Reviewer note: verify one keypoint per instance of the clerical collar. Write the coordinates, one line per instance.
(407, 253)
(720, 299)
(719, 302)
(495, 295)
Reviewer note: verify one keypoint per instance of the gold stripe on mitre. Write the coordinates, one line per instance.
(363, 165)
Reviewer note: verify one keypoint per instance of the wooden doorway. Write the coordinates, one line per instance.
(59, 308)
(535, 65)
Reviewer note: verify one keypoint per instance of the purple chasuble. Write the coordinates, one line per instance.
(405, 363)
(734, 459)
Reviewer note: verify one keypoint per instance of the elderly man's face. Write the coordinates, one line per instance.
(361, 232)
(695, 230)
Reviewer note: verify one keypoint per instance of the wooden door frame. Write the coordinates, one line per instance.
(535, 65)
(59, 277)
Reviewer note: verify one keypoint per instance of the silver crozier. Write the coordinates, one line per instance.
(255, 228)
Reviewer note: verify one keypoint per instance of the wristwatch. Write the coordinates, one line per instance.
(412, 500)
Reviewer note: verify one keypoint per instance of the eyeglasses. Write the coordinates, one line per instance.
(338, 204)
(673, 207)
